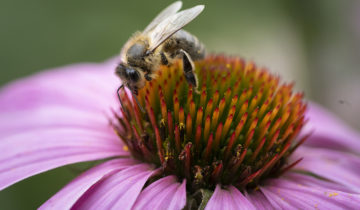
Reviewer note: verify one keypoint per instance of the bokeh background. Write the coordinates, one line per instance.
(315, 43)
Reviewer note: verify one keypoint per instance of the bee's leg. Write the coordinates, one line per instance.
(119, 97)
(189, 68)
(164, 60)
(134, 95)
(147, 77)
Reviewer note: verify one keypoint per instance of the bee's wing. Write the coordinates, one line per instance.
(171, 25)
(168, 11)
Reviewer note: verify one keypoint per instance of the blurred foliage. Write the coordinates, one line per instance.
(42, 34)
(315, 43)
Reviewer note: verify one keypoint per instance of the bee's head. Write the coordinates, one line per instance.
(132, 77)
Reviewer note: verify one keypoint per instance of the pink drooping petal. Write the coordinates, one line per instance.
(311, 181)
(56, 118)
(340, 167)
(291, 195)
(66, 197)
(76, 95)
(90, 87)
(34, 151)
(329, 131)
(276, 201)
(165, 193)
(258, 199)
(228, 199)
(118, 191)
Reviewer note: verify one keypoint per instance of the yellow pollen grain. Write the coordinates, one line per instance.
(198, 176)
(125, 148)
(316, 206)
(333, 194)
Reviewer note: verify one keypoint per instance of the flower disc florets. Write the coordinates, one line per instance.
(238, 128)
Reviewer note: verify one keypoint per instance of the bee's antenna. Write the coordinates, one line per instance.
(138, 103)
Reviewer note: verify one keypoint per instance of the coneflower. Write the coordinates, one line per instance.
(238, 128)
(239, 141)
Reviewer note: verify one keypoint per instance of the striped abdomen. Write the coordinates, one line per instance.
(187, 42)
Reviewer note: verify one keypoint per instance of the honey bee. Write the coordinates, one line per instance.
(161, 42)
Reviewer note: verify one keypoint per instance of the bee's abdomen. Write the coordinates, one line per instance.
(185, 41)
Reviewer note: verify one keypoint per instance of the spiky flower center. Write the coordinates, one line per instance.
(238, 128)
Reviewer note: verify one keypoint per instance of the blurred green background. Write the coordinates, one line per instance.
(315, 43)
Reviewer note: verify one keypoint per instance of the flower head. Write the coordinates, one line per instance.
(233, 145)
(239, 128)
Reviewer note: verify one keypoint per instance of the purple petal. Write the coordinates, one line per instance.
(329, 131)
(276, 201)
(89, 87)
(67, 196)
(118, 191)
(52, 117)
(31, 152)
(77, 95)
(166, 193)
(258, 199)
(311, 181)
(339, 167)
(228, 200)
(303, 197)
(56, 118)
